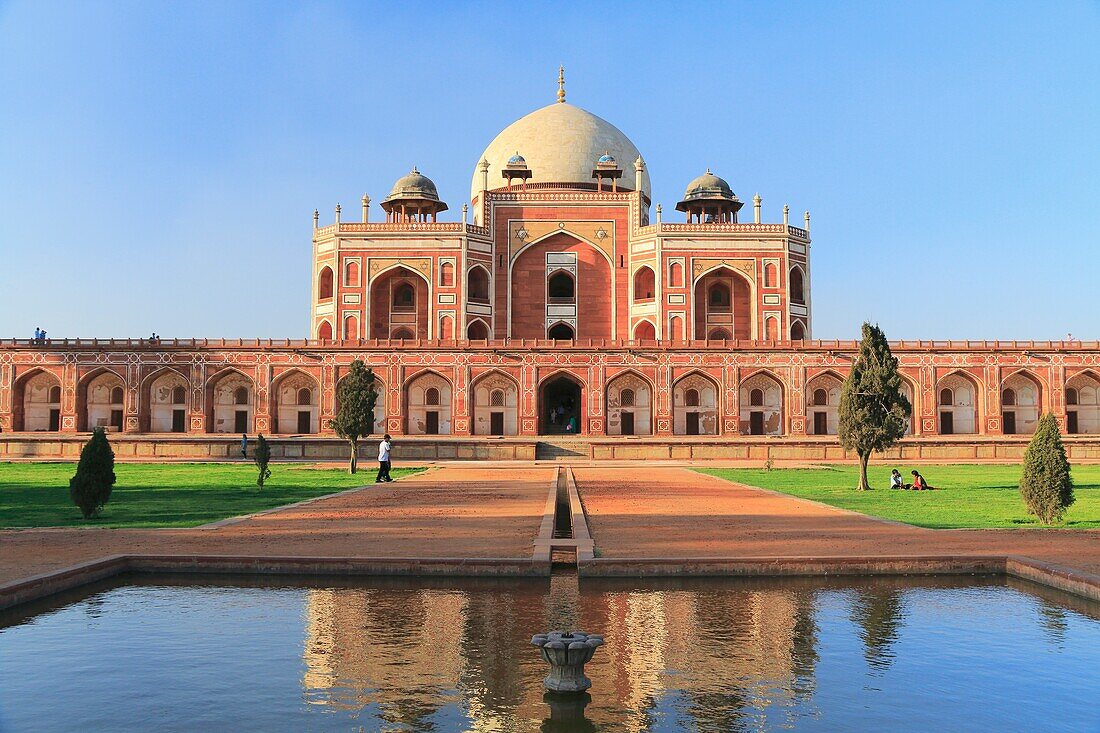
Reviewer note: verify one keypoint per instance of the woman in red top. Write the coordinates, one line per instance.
(919, 484)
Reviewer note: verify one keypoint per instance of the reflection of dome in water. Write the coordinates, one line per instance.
(560, 144)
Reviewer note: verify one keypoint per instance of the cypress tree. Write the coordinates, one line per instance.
(90, 488)
(262, 455)
(1046, 486)
(355, 415)
(874, 410)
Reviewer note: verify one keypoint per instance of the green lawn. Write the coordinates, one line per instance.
(165, 495)
(965, 496)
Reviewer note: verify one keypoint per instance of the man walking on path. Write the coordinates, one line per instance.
(244, 445)
(384, 460)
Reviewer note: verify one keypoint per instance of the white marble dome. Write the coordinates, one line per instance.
(561, 144)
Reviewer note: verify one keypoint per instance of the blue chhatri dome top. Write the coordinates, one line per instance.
(516, 159)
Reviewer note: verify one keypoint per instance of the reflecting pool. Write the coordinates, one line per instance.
(237, 654)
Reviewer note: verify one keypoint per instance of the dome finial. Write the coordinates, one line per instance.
(561, 84)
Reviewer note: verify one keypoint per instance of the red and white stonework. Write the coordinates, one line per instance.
(568, 304)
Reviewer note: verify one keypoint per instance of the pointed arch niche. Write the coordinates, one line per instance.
(496, 405)
(695, 406)
(629, 405)
(723, 304)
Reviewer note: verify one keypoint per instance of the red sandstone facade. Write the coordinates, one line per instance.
(740, 388)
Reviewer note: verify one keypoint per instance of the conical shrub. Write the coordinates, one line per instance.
(90, 488)
(1046, 486)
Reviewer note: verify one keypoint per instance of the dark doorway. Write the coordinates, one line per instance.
(756, 423)
(304, 422)
(560, 332)
(55, 420)
(431, 422)
(947, 423)
(178, 421)
(560, 407)
(821, 423)
(1071, 423)
(561, 288)
(240, 421)
(1010, 423)
(496, 423)
(116, 420)
(626, 419)
(692, 423)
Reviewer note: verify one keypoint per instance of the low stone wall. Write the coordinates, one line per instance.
(748, 449)
(991, 450)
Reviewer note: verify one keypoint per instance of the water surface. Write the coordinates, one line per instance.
(234, 654)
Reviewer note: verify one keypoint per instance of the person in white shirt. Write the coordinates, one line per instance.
(384, 460)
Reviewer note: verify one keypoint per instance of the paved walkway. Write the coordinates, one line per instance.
(456, 511)
(678, 513)
(467, 511)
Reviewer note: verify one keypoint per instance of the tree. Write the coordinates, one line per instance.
(1046, 485)
(262, 455)
(90, 488)
(355, 416)
(874, 410)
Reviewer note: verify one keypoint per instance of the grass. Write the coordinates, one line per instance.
(966, 496)
(165, 495)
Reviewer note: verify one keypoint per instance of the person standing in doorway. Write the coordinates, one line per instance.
(244, 445)
(384, 460)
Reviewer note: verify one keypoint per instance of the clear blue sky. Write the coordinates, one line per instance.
(160, 162)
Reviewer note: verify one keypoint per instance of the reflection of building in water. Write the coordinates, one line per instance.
(720, 649)
(709, 652)
(394, 648)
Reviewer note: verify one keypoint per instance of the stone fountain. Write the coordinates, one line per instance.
(567, 654)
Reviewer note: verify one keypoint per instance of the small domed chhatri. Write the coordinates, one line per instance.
(517, 159)
(607, 170)
(709, 198)
(413, 197)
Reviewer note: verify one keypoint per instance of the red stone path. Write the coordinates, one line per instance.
(456, 511)
(677, 513)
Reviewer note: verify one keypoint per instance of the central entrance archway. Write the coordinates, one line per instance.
(560, 406)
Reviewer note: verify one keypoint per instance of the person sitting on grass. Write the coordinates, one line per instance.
(919, 484)
(895, 480)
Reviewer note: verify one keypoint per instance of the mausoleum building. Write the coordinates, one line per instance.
(559, 301)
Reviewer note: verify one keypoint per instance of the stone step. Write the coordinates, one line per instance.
(549, 450)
